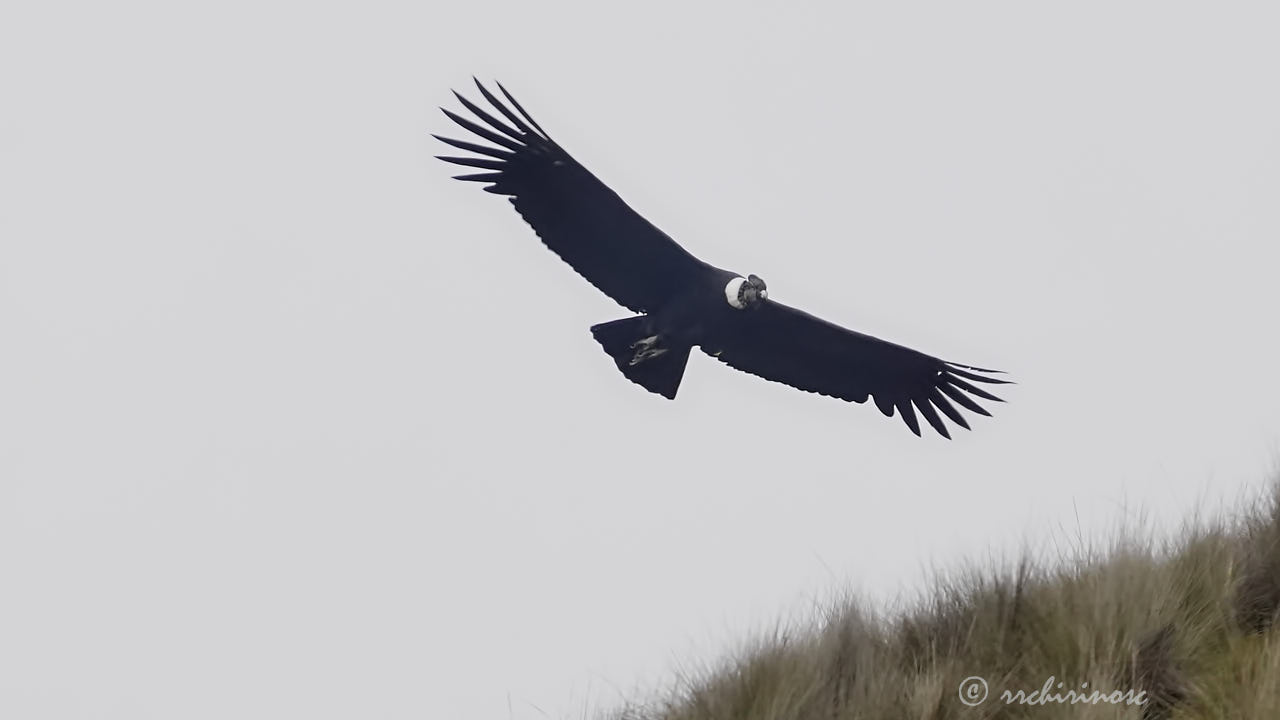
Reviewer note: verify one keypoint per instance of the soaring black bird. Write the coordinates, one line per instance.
(684, 301)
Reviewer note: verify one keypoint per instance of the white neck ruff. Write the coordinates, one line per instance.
(731, 293)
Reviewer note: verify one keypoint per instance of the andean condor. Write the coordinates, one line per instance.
(684, 301)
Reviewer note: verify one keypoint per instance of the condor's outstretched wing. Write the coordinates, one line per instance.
(790, 346)
(576, 215)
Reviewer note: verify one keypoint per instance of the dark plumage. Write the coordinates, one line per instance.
(683, 301)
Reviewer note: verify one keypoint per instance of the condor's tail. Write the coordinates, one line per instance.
(642, 356)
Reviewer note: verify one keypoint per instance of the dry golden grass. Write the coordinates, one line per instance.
(1189, 622)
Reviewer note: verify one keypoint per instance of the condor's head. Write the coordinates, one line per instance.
(746, 293)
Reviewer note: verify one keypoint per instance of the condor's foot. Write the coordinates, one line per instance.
(646, 349)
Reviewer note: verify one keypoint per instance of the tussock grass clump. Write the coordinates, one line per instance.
(1186, 627)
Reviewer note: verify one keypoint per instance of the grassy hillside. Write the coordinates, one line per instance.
(1187, 622)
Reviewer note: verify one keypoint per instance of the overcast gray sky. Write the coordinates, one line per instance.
(292, 425)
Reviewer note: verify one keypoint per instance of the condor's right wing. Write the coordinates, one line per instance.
(576, 215)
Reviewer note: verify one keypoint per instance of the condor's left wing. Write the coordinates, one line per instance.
(795, 348)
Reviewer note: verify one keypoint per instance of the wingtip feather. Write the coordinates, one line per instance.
(909, 417)
(948, 409)
(964, 371)
(932, 416)
(964, 400)
(520, 109)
